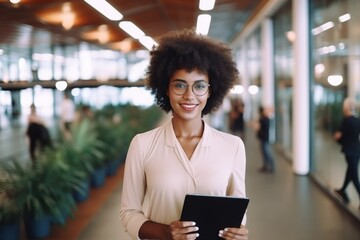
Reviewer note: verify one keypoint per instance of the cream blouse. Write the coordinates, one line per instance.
(158, 174)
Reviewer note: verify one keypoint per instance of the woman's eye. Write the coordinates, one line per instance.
(180, 85)
(200, 86)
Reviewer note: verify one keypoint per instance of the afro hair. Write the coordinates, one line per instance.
(188, 50)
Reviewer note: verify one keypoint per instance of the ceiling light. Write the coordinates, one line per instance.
(335, 80)
(131, 29)
(103, 33)
(253, 89)
(237, 89)
(61, 85)
(148, 42)
(68, 18)
(203, 24)
(322, 28)
(206, 5)
(291, 36)
(105, 9)
(345, 17)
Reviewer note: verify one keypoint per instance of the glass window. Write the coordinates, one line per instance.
(336, 57)
(283, 57)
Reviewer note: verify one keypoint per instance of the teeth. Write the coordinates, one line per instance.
(188, 107)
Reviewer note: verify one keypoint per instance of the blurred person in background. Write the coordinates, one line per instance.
(263, 134)
(237, 125)
(37, 133)
(348, 136)
(67, 115)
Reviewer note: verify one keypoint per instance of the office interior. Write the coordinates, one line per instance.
(300, 58)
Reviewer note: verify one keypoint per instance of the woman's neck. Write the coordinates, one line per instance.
(188, 129)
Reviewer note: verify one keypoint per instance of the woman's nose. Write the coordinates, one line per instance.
(189, 92)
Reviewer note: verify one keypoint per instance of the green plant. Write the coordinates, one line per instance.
(135, 120)
(40, 190)
(107, 132)
(83, 151)
(9, 212)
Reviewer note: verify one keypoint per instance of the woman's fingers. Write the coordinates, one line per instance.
(184, 230)
(234, 233)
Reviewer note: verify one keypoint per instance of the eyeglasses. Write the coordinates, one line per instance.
(199, 88)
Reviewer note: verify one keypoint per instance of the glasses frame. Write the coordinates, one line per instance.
(187, 87)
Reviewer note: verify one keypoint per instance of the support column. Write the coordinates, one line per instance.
(353, 89)
(301, 90)
(244, 77)
(267, 72)
(267, 63)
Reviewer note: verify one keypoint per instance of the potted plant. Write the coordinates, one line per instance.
(10, 214)
(30, 197)
(68, 177)
(83, 151)
(106, 127)
(9, 224)
(41, 192)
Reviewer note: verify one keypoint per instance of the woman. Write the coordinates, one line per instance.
(189, 75)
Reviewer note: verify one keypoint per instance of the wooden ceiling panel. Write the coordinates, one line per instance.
(36, 22)
(82, 14)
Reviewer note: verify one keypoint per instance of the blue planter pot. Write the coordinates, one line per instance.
(98, 177)
(37, 227)
(83, 194)
(61, 220)
(111, 168)
(10, 231)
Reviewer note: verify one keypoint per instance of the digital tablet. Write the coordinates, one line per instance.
(213, 213)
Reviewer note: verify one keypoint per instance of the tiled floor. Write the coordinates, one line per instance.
(283, 205)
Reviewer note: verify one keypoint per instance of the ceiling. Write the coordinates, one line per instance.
(36, 23)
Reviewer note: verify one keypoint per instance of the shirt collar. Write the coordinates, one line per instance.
(171, 138)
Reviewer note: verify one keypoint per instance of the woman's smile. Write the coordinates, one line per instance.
(188, 107)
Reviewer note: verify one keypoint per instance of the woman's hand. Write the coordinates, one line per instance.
(183, 230)
(234, 233)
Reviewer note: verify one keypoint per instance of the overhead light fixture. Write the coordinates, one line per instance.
(148, 42)
(291, 36)
(131, 29)
(15, 1)
(61, 85)
(203, 24)
(206, 5)
(103, 32)
(105, 9)
(335, 80)
(68, 18)
(345, 17)
(322, 28)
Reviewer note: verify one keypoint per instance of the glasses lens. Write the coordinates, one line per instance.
(178, 87)
(200, 88)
